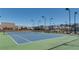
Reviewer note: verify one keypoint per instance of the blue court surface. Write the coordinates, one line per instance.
(26, 37)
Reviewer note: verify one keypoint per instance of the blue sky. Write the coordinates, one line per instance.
(23, 16)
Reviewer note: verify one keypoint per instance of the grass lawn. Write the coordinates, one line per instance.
(6, 43)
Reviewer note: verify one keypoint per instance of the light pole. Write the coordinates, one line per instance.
(50, 23)
(75, 13)
(67, 9)
(51, 20)
(43, 17)
(32, 24)
(39, 23)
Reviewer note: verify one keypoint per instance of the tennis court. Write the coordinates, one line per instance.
(26, 37)
(36, 41)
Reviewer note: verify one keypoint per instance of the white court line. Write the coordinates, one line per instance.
(19, 37)
(8, 36)
(22, 37)
(12, 39)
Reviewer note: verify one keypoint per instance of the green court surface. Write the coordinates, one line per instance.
(66, 42)
(74, 45)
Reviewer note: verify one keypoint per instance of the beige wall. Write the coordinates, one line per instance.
(8, 25)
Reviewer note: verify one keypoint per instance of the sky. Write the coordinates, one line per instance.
(33, 16)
